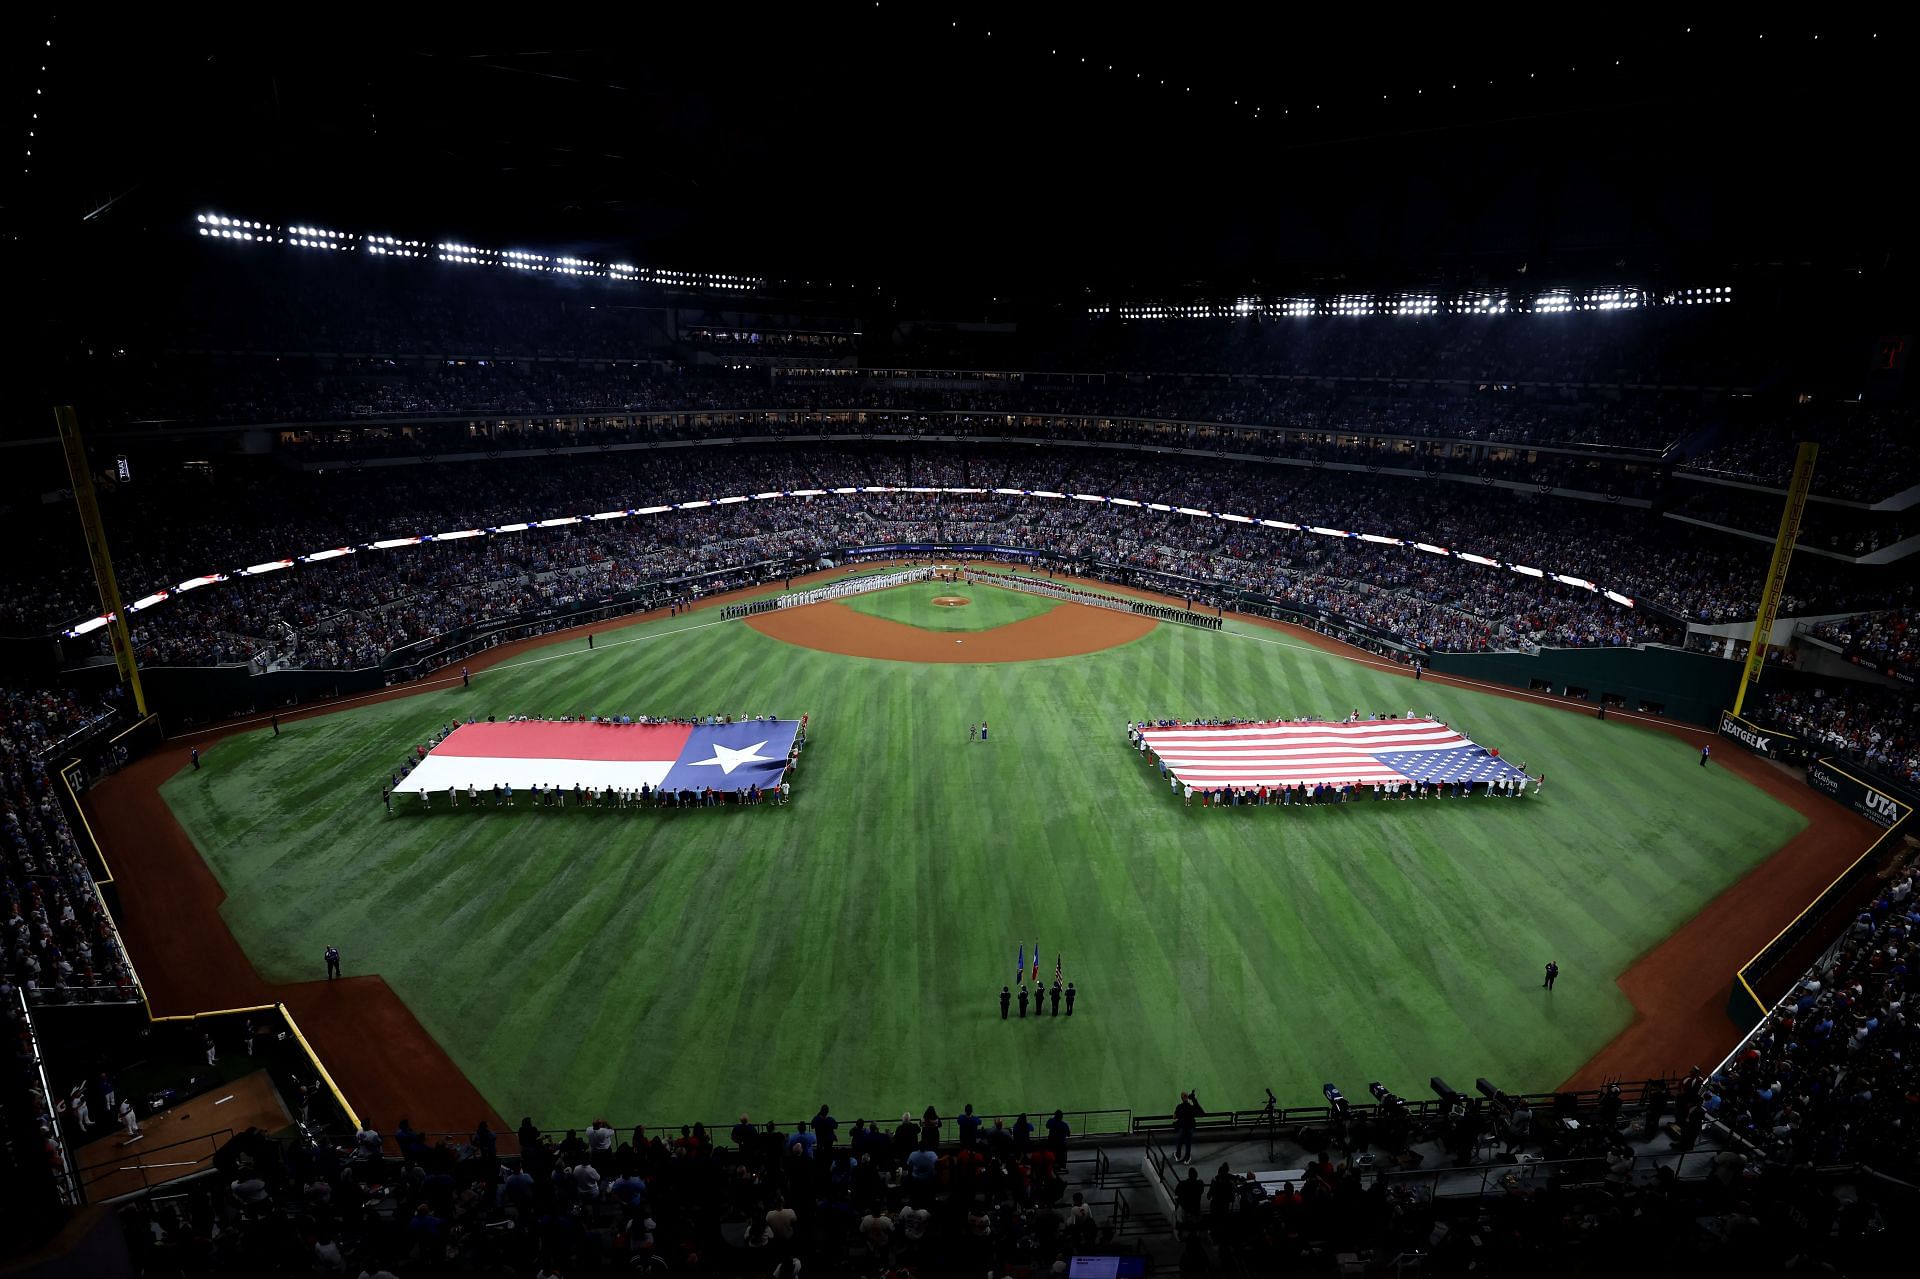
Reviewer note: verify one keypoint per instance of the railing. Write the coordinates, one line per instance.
(1162, 432)
(1119, 1214)
(1102, 1166)
(1484, 1178)
(69, 744)
(1084, 1123)
(293, 1028)
(65, 1183)
(1428, 1109)
(129, 1173)
(1746, 1005)
(77, 820)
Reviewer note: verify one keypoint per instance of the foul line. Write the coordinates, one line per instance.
(1508, 690)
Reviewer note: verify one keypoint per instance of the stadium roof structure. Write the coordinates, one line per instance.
(986, 149)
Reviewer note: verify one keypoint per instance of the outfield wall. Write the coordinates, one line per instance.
(1772, 973)
(1692, 687)
(1687, 686)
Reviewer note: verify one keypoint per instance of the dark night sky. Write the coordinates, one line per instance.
(883, 143)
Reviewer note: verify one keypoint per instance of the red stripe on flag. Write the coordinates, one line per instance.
(1285, 753)
(546, 740)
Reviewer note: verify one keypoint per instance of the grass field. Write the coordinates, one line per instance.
(849, 948)
(914, 605)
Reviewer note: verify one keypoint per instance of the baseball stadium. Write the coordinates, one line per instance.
(559, 724)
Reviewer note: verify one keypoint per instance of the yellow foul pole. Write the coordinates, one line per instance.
(1777, 571)
(95, 532)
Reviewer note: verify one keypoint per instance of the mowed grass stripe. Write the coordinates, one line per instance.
(850, 948)
(988, 606)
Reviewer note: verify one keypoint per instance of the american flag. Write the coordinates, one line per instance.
(1286, 754)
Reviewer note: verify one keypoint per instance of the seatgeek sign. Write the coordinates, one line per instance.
(1764, 741)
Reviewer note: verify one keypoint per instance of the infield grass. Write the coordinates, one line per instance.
(659, 966)
(987, 606)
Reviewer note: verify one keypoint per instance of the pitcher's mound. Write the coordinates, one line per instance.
(952, 601)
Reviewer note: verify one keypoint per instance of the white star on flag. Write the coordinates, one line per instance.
(729, 758)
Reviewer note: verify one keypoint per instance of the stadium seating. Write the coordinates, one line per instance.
(1830, 1077)
(1877, 725)
(59, 944)
(186, 532)
(1887, 638)
(1556, 445)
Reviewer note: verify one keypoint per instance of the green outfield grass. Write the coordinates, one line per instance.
(913, 604)
(656, 967)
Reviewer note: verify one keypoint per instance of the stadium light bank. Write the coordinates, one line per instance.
(252, 232)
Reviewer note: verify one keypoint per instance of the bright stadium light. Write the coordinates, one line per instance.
(195, 583)
(92, 624)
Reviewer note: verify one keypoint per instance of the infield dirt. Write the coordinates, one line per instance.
(390, 1067)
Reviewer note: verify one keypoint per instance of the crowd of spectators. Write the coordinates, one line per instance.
(963, 1195)
(1740, 1218)
(759, 1199)
(302, 389)
(240, 301)
(1866, 452)
(1878, 725)
(279, 339)
(350, 610)
(1831, 1077)
(1658, 346)
(57, 942)
(32, 1159)
(1888, 638)
(1825, 526)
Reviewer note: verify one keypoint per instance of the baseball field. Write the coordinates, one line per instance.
(849, 948)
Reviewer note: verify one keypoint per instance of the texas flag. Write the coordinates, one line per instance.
(726, 757)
